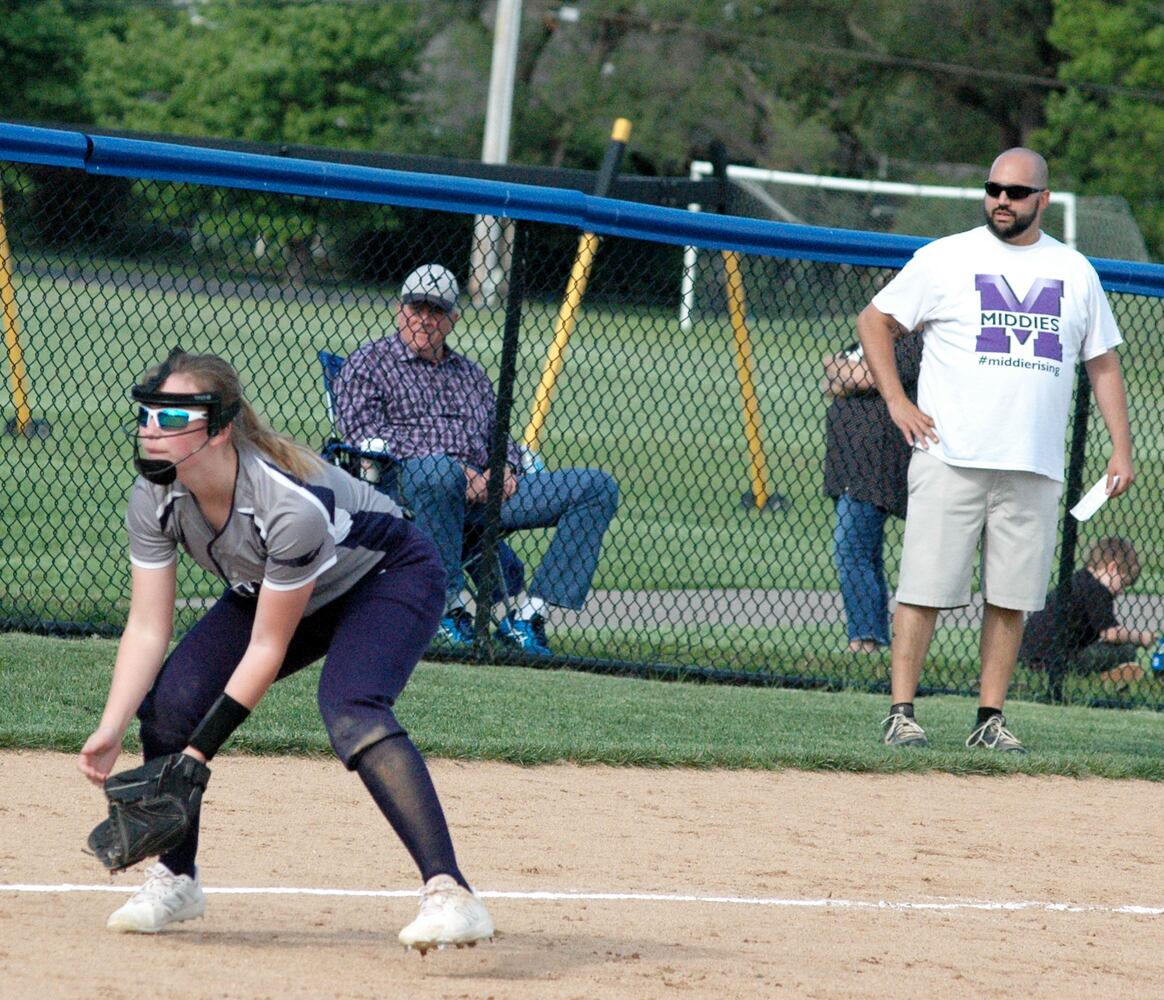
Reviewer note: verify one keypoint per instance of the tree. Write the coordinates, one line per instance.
(946, 81)
(324, 74)
(41, 62)
(1108, 142)
(852, 87)
(683, 74)
(839, 86)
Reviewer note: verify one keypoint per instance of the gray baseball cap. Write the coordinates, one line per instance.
(431, 283)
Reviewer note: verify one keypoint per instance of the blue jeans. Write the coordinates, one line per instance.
(857, 550)
(580, 503)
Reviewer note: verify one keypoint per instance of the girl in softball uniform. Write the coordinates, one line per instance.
(318, 565)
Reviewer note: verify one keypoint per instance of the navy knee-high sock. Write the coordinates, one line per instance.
(181, 859)
(397, 777)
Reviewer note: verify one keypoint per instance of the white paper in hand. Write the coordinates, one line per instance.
(1092, 500)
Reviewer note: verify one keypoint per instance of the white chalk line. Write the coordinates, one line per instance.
(645, 897)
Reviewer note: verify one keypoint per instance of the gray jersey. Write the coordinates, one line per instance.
(282, 532)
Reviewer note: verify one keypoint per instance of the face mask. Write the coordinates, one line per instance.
(157, 471)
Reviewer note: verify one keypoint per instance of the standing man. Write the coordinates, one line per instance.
(432, 410)
(1007, 313)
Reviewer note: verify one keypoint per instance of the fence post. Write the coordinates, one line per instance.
(1072, 491)
(498, 447)
(760, 496)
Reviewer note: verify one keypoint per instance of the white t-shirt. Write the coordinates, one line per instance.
(1005, 327)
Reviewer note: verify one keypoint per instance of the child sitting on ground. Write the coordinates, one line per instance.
(1089, 638)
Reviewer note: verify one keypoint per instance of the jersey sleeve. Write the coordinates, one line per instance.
(150, 545)
(300, 543)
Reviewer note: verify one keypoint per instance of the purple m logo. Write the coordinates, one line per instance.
(1003, 314)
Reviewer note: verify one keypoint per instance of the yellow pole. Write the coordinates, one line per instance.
(737, 309)
(575, 290)
(563, 328)
(19, 376)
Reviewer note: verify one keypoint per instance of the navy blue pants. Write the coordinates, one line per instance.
(370, 638)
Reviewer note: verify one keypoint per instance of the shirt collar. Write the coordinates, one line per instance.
(403, 352)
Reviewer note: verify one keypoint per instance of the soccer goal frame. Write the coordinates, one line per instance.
(703, 168)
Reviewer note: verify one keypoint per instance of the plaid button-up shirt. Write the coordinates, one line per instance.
(415, 407)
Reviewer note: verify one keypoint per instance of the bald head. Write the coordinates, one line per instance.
(1020, 166)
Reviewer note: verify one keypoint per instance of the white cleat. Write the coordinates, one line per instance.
(449, 914)
(165, 899)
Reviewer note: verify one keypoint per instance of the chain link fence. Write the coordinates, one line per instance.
(719, 563)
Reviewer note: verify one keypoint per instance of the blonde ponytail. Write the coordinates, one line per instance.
(283, 450)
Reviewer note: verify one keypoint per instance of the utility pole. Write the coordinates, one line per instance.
(487, 267)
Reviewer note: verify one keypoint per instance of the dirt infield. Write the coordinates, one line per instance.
(609, 883)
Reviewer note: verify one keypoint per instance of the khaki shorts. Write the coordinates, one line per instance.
(1014, 513)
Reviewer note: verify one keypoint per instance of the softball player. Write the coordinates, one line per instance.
(317, 565)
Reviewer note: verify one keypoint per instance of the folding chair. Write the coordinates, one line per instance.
(377, 468)
(351, 459)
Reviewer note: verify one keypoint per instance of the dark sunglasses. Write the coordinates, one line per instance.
(169, 418)
(1015, 192)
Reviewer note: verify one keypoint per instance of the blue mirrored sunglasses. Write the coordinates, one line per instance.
(168, 418)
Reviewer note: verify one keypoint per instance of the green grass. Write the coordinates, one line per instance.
(658, 407)
(53, 691)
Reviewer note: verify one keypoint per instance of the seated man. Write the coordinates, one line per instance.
(433, 410)
(1093, 641)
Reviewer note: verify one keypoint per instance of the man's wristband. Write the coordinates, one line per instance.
(224, 717)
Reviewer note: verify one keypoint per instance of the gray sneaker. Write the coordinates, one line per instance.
(993, 735)
(903, 731)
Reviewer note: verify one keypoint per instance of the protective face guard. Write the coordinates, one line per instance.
(217, 417)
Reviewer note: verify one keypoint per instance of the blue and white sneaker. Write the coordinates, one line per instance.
(456, 630)
(527, 636)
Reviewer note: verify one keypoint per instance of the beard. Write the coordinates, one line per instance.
(1019, 226)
